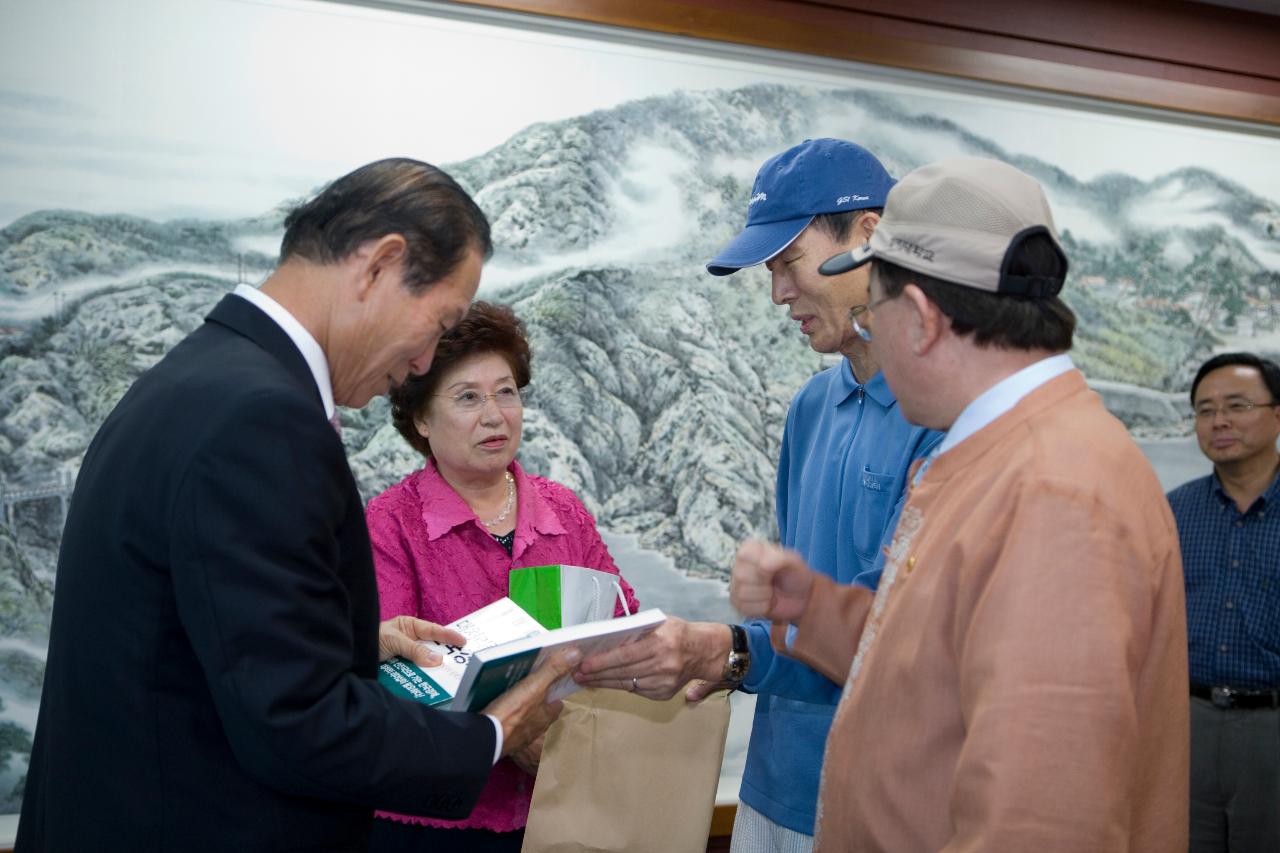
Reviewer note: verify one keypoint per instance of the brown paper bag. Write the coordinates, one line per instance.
(621, 773)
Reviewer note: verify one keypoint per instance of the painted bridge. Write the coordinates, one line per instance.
(56, 485)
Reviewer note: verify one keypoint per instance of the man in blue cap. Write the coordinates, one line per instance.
(841, 478)
(842, 471)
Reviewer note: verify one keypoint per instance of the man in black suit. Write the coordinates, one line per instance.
(215, 637)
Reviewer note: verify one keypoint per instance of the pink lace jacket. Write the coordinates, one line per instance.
(436, 561)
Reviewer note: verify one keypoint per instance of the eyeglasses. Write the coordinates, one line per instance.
(473, 401)
(858, 310)
(1231, 411)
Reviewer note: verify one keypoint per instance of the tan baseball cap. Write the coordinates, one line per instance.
(960, 220)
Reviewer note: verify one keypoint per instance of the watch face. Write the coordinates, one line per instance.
(736, 668)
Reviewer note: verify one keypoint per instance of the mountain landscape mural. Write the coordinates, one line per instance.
(659, 392)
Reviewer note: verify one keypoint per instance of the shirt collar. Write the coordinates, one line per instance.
(875, 388)
(534, 517)
(443, 509)
(1002, 397)
(1269, 494)
(307, 345)
(1273, 490)
(878, 389)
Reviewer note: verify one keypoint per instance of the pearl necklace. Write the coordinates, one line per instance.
(508, 506)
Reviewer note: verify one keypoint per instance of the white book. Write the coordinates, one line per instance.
(504, 644)
(491, 625)
(493, 671)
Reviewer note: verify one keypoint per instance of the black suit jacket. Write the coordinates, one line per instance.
(209, 683)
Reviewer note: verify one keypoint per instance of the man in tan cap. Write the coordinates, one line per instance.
(1018, 680)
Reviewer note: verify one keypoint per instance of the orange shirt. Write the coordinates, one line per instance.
(1021, 682)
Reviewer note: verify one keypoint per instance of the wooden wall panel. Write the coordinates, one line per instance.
(1167, 54)
(1182, 33)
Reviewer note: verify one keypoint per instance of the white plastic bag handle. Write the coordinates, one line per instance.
(622, 597)
(592, 615)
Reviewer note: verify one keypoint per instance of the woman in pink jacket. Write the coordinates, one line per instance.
(445, 537)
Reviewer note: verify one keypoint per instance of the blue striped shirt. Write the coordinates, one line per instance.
(1231, 562)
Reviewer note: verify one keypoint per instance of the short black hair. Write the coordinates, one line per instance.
(1004, 321)
(838, 226)
(1269, 369)
(436, 217)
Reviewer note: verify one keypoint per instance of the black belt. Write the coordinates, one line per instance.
(1230, 697)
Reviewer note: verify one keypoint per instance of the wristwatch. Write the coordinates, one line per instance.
(739, 660)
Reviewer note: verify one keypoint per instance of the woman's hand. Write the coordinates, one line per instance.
(406, 636)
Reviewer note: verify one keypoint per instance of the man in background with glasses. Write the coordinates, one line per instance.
(842, 474)
(1229, 527)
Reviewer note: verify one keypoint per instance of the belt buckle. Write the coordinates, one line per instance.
(1222, 697)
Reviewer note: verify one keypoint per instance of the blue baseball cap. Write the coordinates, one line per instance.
(816, 176)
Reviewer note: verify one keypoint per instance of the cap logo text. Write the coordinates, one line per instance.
(846, 199)
(912, 249)
(757, 197)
